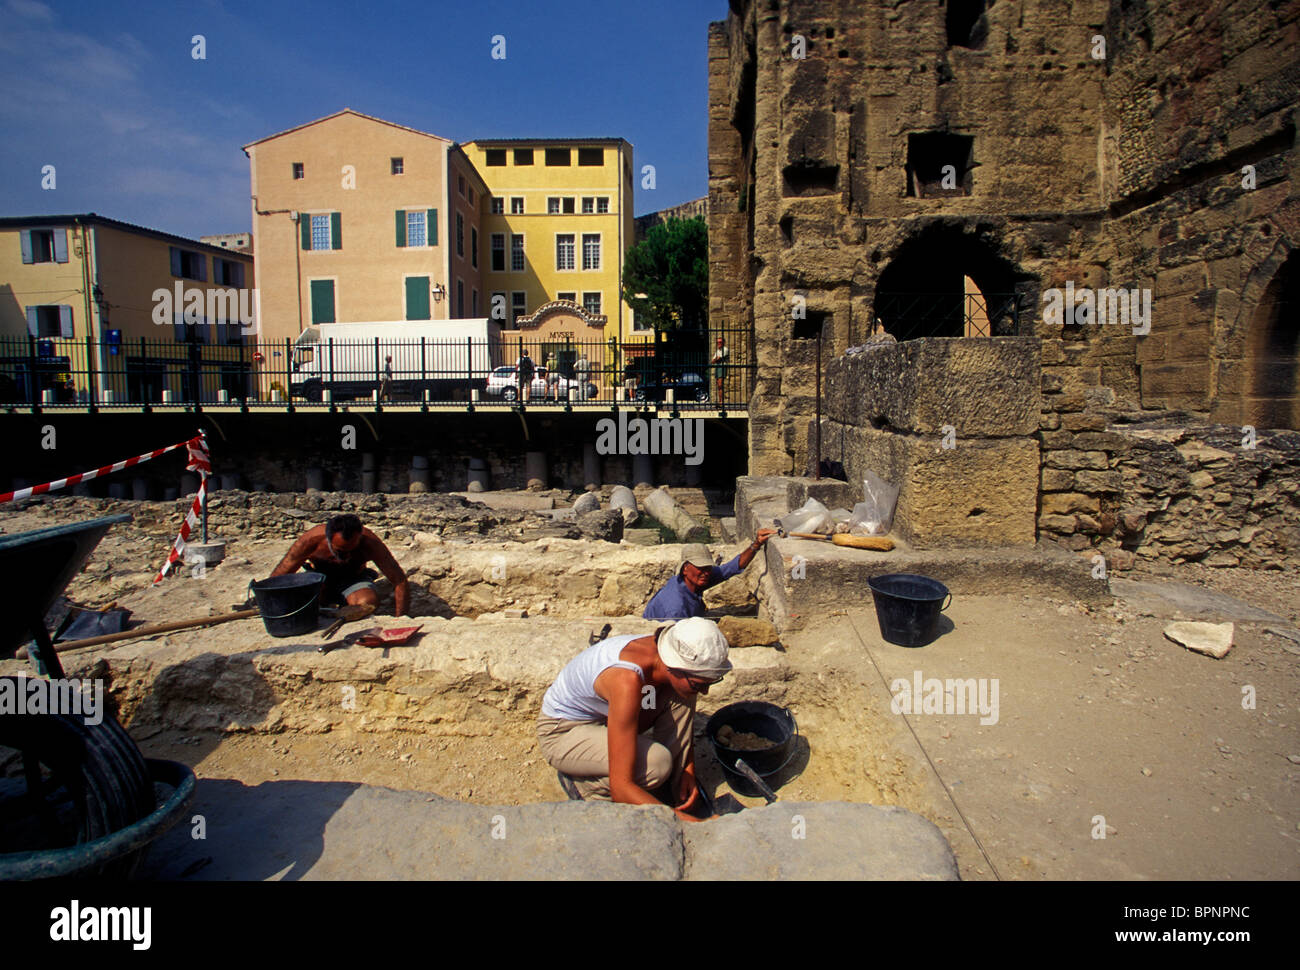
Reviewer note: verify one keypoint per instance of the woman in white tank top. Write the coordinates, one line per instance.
(617, 722)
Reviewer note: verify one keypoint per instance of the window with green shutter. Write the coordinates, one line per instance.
(400, 223)
(336, 230)
(304, 222)
(433, 226)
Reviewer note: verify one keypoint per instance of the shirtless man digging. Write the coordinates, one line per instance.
(339, 551)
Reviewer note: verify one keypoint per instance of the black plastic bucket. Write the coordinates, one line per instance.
(766, 720)
(290, 605)
(908, 607)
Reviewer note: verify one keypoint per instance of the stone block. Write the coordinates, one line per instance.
(604, 524)
(343, 831)
(1182, 385)
(981, 386)
(855, 841)
(1068, 503)
(1101, 441)
(1151, 348)
(642, 537)
(1063, 524)
(1101, 482)
(1191, 278)
(1057, 479)
(1076, 459)
(747, 631)
(1084, 421)
(981, 493)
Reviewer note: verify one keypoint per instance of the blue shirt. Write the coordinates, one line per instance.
(676, 601)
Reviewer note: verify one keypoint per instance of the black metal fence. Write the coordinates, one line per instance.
(947, 314)
(688, 369)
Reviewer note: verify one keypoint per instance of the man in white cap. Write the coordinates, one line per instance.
(617, 722)
(683, 595)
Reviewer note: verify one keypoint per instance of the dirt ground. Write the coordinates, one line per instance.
(1099, 715)
(1103, 725)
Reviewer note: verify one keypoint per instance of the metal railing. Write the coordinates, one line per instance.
(911, 315)
(80, 372)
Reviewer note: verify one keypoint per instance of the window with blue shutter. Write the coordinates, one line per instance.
(43, 245)
(49, 321)
(188, 264)
(227, 272)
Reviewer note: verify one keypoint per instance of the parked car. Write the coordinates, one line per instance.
(503, 382)
(688, 386)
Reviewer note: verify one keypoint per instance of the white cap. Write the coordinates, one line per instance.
(695, 645)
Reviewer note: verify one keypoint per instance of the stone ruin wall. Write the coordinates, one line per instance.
(1125, 172)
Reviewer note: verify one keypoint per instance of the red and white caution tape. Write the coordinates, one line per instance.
(198, 461)
(178, 547)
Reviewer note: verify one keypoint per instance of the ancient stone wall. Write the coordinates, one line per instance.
(951, 422)
(1097, 168)
(1173, 491)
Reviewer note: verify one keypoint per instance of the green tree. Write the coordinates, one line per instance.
(670, 271)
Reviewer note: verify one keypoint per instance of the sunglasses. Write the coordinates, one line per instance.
(696, 682)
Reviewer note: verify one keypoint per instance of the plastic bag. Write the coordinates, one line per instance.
(812, 516)
(875, 515)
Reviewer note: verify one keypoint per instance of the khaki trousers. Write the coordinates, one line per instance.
(580, 749)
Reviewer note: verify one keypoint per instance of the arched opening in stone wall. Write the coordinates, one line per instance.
(944, 282)
(1273, 352)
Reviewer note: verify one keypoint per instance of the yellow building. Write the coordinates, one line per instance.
(106, 303)
(556, 223)
(357, 219)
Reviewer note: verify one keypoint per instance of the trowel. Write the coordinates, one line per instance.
(753, 777)
(346, 614)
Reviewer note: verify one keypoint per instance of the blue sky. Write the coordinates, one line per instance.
(139, 130)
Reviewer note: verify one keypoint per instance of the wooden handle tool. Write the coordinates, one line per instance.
(878, 543)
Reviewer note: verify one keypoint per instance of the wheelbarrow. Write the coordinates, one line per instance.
(90, 806)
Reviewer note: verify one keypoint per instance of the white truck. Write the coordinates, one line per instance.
(400, 359)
